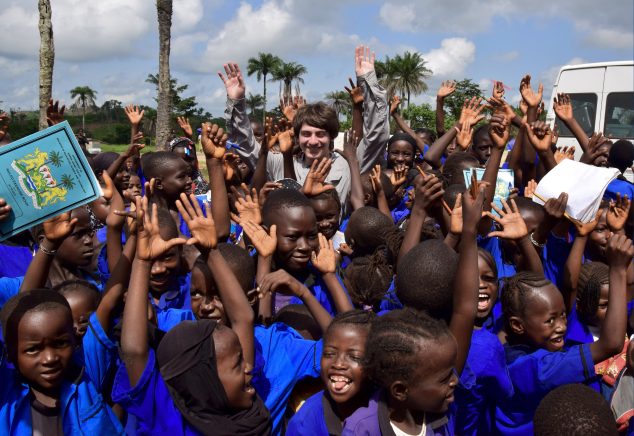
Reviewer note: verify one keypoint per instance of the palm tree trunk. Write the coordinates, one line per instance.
(47, 59)
(164, 109)
(264, 105)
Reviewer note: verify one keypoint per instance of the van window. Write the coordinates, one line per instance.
(584, 108)
(619, 115)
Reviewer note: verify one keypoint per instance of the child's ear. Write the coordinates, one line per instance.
(398, 391)
(517, 325)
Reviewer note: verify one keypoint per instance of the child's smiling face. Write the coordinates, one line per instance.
(296, 237)
(45, 347)
(341, 369)
(543, 322)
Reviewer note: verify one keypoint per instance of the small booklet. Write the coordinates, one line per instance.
(44, 175)
(503, 186)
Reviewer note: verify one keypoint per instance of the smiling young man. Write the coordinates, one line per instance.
(315, 126)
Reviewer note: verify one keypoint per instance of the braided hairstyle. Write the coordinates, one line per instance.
(368, 278)
(517, 289)
(391, 353)
(592, 276)
(360, 319)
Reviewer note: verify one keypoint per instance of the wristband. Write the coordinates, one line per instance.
(47, 251)
(534, 242)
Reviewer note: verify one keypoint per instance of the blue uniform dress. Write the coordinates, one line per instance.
(534, 374)
(82, 407)
(476, 403)
(149, 402)
(282, 358)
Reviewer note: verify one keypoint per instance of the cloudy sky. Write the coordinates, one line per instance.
(112, 45)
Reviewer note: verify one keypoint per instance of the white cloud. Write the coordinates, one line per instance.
(452, 58)
(82, 30)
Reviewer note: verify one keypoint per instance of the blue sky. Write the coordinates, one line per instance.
(112, 45)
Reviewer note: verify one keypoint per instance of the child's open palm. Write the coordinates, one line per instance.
(247, 205)
(202, 228)
(325, 260)
(265, 243)
(150, 245)
(314, 183)
(513, 225)
(618, 212)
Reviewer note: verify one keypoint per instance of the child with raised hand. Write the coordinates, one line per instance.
(416, 359)
(45, 391)
(343, 375)
(535, 320)
(199, 374)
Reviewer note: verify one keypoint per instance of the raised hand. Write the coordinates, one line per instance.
(394, 104)
(464, 136)
(213, 140)
(314, 183)
(540, 135)
(325, 260)
(563, 153)
(620, 251)
(59, 228)
(150, 245)
(471, 111)
(363, 60)
(446, 88)
(54, 115)
(618, 211)
(498, 90)
(513, 225)
(399, 175)
(246, 205)
(500, 131)
(5, 209)
(532, 98)
(290, 107)
(134, 114)
(282, 282)
(265, 243)
(183, 123)
(562, 107)
(4, 124)
(201, 226)
(234, 82)
(356, 92)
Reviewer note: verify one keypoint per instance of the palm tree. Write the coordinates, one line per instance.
(164, 99)
(84, 96)
(254, 102)
(405, 74)
(67, 181)
(340, 101)
(262, 66)
(287, 73)
(47, 59)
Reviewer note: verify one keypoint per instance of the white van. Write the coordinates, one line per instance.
(602, 97)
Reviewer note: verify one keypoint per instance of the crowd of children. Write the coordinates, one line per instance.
(302, 290)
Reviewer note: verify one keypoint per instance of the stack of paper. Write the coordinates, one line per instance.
(584, 184)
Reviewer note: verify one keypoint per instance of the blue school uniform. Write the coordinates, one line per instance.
(149, 402)
(534, 374)
(82, 407)
(15, 260)
(492, 383)
(309, 419)
(282, 358)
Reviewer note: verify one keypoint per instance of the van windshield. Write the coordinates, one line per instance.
(619, 115)
(584, 109)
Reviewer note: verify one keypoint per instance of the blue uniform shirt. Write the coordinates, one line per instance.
(476, 404)
(534, 374)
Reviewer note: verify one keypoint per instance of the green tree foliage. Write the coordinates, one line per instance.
(465, 89)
